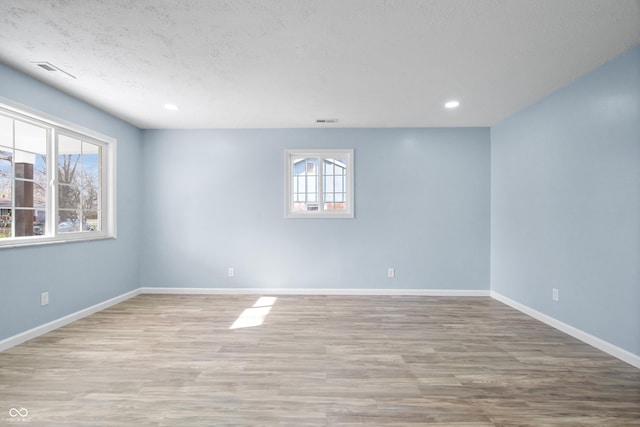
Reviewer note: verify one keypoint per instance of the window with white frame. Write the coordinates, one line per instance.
(56, 180)
(319, 183)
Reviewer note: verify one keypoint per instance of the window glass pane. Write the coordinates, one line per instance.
(337, 204)
(89, 149)
(6, 175)
(69, 197)
(67, 168)
(6, 154)
(68, 221)
(23, 194)
(30, 138)
(312, 166)
(40, 182)
(305, 183)
(5, 221)
(328, 184)
(80, 188)
(69, 156)
(90, 221)
(90, 182)
(301, 185)
(39, 221)
(89, 198)
(24, 164)
(312, 184)
(328, 167)
(6, 193)
(25, 220)
(68, 145)
(298, 165)
(91, 154)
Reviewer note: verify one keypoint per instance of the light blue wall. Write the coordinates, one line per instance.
(214, 199)
(76, 275)
(554, 188)
(565, 204)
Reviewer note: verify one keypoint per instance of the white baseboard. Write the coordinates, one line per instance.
(315, 291)
(615, 351)
(55, 324)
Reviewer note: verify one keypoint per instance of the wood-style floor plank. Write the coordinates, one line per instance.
(172, 360)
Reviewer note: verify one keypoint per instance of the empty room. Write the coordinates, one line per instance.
(320, 213)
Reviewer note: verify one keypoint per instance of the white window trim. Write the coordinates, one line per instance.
(321, 153)
(109, 145)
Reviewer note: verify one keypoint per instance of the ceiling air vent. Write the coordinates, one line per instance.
(47, 66)
(322, 121)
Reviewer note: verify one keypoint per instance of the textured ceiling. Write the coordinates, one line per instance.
(286, 63)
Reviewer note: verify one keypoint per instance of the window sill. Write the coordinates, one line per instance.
(27, 242)
(319, 216)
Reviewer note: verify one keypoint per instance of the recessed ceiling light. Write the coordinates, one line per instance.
(171, 107)
(451, 104)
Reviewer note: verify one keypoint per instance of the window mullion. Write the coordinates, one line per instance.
(52, 180)
(13, 180)
(307, 183)
(320, 184)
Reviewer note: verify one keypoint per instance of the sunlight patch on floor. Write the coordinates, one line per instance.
(255, 315)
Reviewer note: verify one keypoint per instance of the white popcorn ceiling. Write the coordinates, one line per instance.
(286, 63)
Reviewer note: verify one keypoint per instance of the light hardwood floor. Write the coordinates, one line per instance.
(172, 360)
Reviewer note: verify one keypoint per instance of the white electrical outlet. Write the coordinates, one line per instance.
(44, 298)
(554, 295)
(231, 272)
(391, 272)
